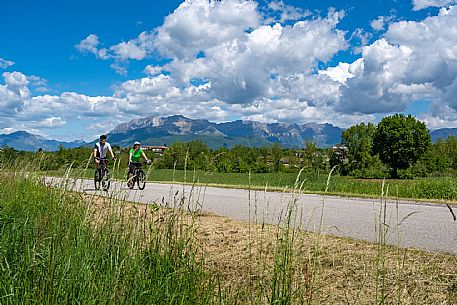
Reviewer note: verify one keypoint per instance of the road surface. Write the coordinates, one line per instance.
(424, 226)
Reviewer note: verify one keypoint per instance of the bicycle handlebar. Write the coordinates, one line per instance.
(137, 163)
(105, 159)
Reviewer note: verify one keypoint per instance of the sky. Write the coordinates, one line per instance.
(75, 69)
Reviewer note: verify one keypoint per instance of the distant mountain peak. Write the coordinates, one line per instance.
(22, 140)
(151, 121)
(177, 116)
(155, 130)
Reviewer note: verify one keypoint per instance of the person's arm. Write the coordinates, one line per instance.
(95, 154)
(144, 156)
(111, 152)
(130, 157)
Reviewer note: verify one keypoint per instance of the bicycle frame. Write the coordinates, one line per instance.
(137, 170)
(102, 171)
(134, 173)
(102, 166)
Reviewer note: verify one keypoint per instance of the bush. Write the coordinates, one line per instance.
(369, 173)
(440, 188)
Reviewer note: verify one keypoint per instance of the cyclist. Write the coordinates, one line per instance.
(134, 158)
(100, 150)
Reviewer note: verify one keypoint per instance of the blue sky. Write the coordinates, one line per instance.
(72, 70)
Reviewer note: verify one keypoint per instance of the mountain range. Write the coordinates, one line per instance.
(159, 131)
(166, 130)
(22, 140)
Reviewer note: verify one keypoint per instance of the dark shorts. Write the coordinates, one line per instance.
(102, 162)
(132, 166)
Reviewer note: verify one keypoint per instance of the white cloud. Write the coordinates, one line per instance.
(5, 63)
(136, 49)
(440, 115)
(421, 4)
(37, 81)
(152, 70)
(119, 68)
(361, 38)
(13, 93)
(238, 65)
(368, 91)
(151, 86)
(285, 12)
(129, 50)
(7, 130)
(88, 44)
(50, 122)
(41, 89)
(10, 102)
(241, 70)
(102, 127)
(241, 60)
(201, 24)
(414, 61)
(15, 79)
(378, 24)
(103, 53)
(339, 73)
(21, 111)
(269, 110)
(381, 23)
(296, 48)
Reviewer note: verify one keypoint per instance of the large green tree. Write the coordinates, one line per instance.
(359, 142)
(400, 141)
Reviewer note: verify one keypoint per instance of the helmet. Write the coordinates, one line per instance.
(136, 143)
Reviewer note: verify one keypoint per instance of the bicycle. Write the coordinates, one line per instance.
(138, 177)
(102, 175)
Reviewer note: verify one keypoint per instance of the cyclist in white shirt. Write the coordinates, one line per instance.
(100, 150)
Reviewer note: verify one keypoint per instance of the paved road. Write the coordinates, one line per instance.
(423, 226)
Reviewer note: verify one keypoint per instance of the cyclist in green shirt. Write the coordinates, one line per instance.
(134, 159)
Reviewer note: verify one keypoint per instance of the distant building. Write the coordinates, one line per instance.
(156, 149)
(340, 152)
(340, 148)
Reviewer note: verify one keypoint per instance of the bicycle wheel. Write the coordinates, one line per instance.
(141, 179)
(97, 179)
(130, 181)
(106, 180)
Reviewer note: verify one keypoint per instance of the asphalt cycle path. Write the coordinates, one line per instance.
(425, 226)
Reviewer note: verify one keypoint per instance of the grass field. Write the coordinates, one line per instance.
(55, 250)
(438, 189)
(58, 247)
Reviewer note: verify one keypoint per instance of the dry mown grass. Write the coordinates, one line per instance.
(318, 269)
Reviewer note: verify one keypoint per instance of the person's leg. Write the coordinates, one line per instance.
(131, 169)
(97, 170)
(102, 168)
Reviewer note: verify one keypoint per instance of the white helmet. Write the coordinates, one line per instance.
(136, 143)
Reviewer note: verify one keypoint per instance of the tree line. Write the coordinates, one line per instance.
(398, 147)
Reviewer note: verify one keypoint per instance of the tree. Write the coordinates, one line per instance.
(359, 142)
(175, 156)
(276, 155)
(197, 153)
(7, 155)
(400, 141)
(313, 157)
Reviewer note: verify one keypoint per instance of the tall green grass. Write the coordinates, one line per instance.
(56, 247)
(52, 252)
